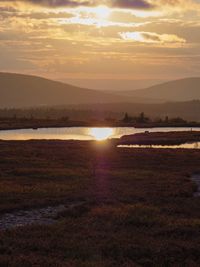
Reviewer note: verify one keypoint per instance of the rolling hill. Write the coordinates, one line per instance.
(23, 91)
(179, 90)
(17, 90)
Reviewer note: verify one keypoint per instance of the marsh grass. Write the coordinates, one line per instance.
(136, 206)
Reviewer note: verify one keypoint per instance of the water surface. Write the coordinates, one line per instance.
(196, 180)
(80, 133)
(192, 145)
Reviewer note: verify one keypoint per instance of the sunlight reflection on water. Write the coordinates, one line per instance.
(100, 134)
(80, 133)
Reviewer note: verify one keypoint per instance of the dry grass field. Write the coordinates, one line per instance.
(138, 206)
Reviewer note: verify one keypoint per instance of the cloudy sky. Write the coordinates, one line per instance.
(107, 39)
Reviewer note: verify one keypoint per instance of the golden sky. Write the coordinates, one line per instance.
(111, 39)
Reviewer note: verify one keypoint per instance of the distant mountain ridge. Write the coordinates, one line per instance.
(21, 91)
(178, 90)
(18, 90)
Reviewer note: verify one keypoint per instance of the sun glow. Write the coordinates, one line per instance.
(102, 12)
(101, 134)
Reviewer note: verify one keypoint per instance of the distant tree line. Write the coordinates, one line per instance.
(142, 118)
(59, 113)
(87, 115)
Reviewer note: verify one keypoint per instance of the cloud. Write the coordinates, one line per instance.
(177, 5)
(127, 4)
(57, 36)
(133, 4)
(58, 3)
(141, 5)
(151, 37)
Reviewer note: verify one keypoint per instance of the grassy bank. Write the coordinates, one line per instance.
(160, 138)
(28, 123)
(139, 207)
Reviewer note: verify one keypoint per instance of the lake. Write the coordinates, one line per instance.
(80, 133)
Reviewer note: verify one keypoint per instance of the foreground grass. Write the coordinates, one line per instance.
(139, 208)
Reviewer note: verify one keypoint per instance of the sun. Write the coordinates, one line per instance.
(102, 12)
(101, 134)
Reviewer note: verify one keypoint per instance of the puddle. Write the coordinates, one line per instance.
(193, 145)
(196, 179)
(43, 216)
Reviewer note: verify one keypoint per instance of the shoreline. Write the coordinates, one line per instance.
(161, 138)
(98, 125)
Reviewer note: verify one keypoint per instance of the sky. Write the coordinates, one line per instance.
(95, 40)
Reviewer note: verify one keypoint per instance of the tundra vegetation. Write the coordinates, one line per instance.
(19, 119)
(138, 205)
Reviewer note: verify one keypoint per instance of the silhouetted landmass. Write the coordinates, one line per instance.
(141, 121)
(160, 138)
(179, 90)
(114, 111)
(24, 96)
(17, 90)
(189, 110)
